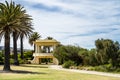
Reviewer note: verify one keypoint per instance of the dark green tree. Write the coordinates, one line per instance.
(92, 58)
(107, 51)
(84, 53)
(66, 53)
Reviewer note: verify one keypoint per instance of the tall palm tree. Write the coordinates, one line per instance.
(26, 23)
(27, 32)
(23, 34)
(10, 21)
(33, 38)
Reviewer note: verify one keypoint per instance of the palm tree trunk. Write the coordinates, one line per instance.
(7, 52)
(16, 62)
(21, 47)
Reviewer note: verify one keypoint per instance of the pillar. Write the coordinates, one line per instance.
(35, 48)
(54, 46)
(39, 49)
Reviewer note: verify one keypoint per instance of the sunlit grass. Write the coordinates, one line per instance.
(41, 72)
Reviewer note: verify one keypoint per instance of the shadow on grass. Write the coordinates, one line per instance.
(34, 66)
(21, 72)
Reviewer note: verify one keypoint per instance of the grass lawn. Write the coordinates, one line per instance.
(41, 72)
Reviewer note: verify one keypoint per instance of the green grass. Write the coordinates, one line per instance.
(41, 72)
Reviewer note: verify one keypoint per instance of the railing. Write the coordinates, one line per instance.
(42, 54)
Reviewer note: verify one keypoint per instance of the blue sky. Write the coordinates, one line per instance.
(75, 22)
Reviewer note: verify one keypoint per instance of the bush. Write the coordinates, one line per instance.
(105, 68)
(28, 55)
(26, 59)
(117, 70)
(11, 61)
(1, 58)
(1, 62)
(68, 64)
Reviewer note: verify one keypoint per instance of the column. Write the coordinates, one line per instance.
(54, 46)
(35, 48)
(39, 49)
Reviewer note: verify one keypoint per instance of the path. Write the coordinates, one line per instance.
(85, 72)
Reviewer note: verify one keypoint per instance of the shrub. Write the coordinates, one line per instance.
(26, 59)
(11, 61)
(105, 68)
(1, 58)
(28, 55)
(1, 62)
(117, 70)
(68, 64)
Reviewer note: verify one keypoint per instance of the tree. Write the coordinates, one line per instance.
(10, 21)
(66, 53)
(107, 51)
(27, 29)
(92, 58)
(84, 55)
(33, 37)
(26, 22)
(22, 35)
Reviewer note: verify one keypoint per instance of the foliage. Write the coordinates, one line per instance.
(1, 58)
(28, 56)
(34, 36)
(66, 53)
(92, 58)
(11, 61)
(49, 38)
(106, 68)
(105, 57)
(84, 55)
(68, 64)
(107, 52)
(79, 55)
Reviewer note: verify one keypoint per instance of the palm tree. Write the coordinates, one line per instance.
(33, 38)
(10, 21)
(26, 23)
(23, 34)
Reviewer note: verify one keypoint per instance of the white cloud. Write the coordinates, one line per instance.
(77, 22)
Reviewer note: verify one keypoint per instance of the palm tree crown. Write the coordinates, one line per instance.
(34, 37)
